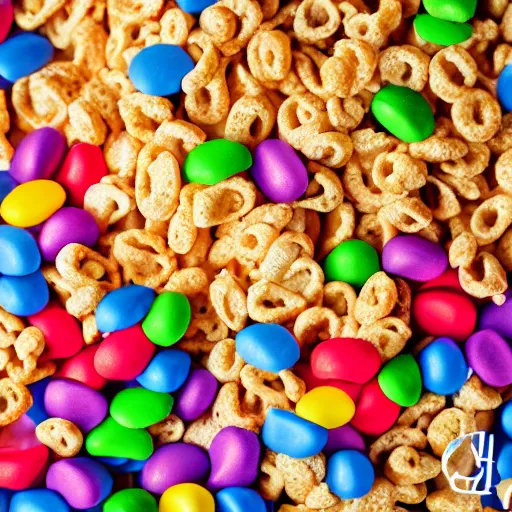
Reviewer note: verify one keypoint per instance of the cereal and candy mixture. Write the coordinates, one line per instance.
(254, 255)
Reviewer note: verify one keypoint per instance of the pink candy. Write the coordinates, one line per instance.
(6, 17)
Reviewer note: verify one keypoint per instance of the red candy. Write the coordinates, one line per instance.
(62, 332)
(19, 469)
(375, 412)
(81, 367)
(123, 355)
(84, 166)
(6, 18)
(450, 279)
(349, 359)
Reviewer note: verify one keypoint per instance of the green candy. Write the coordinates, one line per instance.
(353, 262)
(140, 408)
(403, 112)
(109, 439)
(168, 319)
(441, 32)
(130, 500)
(400, 380)
(458, 11)
(216, 160)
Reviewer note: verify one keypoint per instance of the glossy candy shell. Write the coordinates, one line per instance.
(239, 499)
(130, 500)
(19, 254)
(38, 500)
(458, 11)
(400, 380)
(437, 31)
(81, 368)
(186, 498)
(24, 295)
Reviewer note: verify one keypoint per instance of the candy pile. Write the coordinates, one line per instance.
(254, 254)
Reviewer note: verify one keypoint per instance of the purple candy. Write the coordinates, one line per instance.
(196, 395)
(38, 155)
(414, 257)
(234, 456)
(83, 482)
(66, 226)
(76, 402)
(174, 464)
(490, 356)
(498, 318)
(278, 171)
(345, 437)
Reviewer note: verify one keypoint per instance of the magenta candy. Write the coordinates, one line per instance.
(76, 402)
(490, 356)
(234, 457)
(498, 318)
(38, 155)
(174, 464)
(66, 226)
(345, 437)
(278, 171)
(6, 17)
(196, 395)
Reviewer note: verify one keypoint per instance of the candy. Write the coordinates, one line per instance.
(68, 225)
(186, 498)
(31, 203)
(159, 69)
(498, 318)
(37, 413)
(285, 432)
(174, 464)
(6, 18)
(80, 367)
(76, 402)
(504, 88)
(414, 257)
(345, 437)
(490, 356)
(38, 500)
(168, 319)
(7, 184)
(349, 359)
(124, 307)
(130, 500)
(196, 395)
(350, 474)
(437, 31)
(326, 406)
(22, 467)
(82, 481)
(443, 367)
(504, 462)
(130, 466)
(195, 6)
(83, 166)
(278, 171)
(451, 10)
(109, 439)
(24, 295)
(35, 49)
(38, 155)
(166, 372)
(268, 347)
(239, 499)
(353, 262)
(216, 160)
(5, 495)
(140, 408)
(124, 355)
(403, 112)
(450, 279)
(19, 254)
(375, 412)
(400, 380)
(506, 418)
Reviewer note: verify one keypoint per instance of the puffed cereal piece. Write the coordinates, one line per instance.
(62, 436)
(376, 299)
(317, 323)
(404, 65)
(17, 400)
(406, 466)
(476, 396)
(397, 436)
(484, 277)
(388, 335)
(169, 430)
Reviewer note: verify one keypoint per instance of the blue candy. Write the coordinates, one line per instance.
(7, 184)
(36, 50)
(124, 307)
(504, 462)
(19, 253)
(506, 418)
(504, 88)
(268, 347)
(350, 474)
(24, 296)
(285, 432)
(5, 498)
(443, 367)
(195, 6)
(159, 69)
(113, 461)
(37, 413)
(38, 500)
(239, 499)
(130, 466)
(166, 372)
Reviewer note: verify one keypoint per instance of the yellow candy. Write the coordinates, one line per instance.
(186, 498)
(31, 203)
(326, 406)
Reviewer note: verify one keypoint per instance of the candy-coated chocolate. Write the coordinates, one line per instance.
(505, 418)
(21, 468)
(326, 406)
(37, 413)
(130, 500)
(5, 494)
(239, 499)
(81, 367)
(451, 10)
(194, 6)
(186, 498)
(504, 462)
(38, 155)
(38, 500)
(83, 166)
(124, 355)
(7, 184)
(19, 254)
(130, 466)
(498, 318)
(24, 295)
(83, 482)
(400, 380)
(504, 88)
(6, 18)
(196, 395)
(285, 432)
(234, 456)
(350, 359)
(444, 33)
(31, 203)
(113, 462)
(450, 279)
(109, 439)
(268, 347)
(124, 307)
(345, 437)
(173, 464)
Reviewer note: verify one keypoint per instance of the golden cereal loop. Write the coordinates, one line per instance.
(462, 250)
(504, 250)
(484, 277)
(264, 388)
(254, 242)
(502, 57)
(492, 218)
(89, 41)
(316, 20)
(15, 399)
(269, 55)
(170, 430)
(406, 466)
(376, 299)
(134, 11)
(62, 436)
(408, 215)
(189, 281)
(332, 149)
(472, 164)
(338, 226)
(375, 230)
(340, 297)
(442, 199)
(307, 63)
(398, 172)
(271, 481)
(382, 496)
(85, 124)
(429, 404)
(10, 327)
(388, 335)
(30, 15)
(395, 437)
(504, 171)
(446, 499)
(438, 149)
(224, 362)
(346, 114)
(411, 494)
(306, 277)
(404, 65)
(476, 396)
(317, 323)
(175, 26)
(121, 152)
(503, 139)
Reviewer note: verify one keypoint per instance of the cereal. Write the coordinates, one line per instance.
(62, 436)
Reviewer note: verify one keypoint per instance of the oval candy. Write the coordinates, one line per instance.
(38, 500)
(6, 18)
(130, 500)
(498, 318)
(345, 437)
(81, 368)
(239, 499)
(350, 474)
(7, 184)
(37, 412)
(444, 33)
(400, 380)
(450, 279)
(21, 468)
(504, 462)
(504, 88)
(196, 395)
(19, 254)
(506, 418)
(194, 6)
(5, 494)
(458, 11)
(186, 498)
(24, 295)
